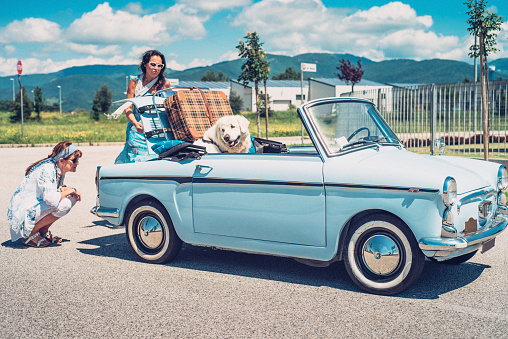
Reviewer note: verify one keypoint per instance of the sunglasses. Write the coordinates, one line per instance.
(75, 160)
(153, 64)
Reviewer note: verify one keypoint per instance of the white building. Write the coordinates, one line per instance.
(282, 93)
(334, 87)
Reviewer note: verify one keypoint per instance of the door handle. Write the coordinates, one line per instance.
(200, 167)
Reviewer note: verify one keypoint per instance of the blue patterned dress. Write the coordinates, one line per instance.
(39, 190)
(135, 148)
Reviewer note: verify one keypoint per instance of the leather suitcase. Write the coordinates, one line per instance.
(191, 113)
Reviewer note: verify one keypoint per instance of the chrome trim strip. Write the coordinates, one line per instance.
(474, 197)
(202, 180)
(105, 212)
(455, 244)
(180, 180)
(387, 188)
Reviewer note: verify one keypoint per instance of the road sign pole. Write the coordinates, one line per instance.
(20, 70)
(308, 68)
(22, 127)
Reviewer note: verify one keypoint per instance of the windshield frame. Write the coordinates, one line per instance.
(311, 124)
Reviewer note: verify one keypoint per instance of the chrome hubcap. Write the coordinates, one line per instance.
(380, 254)
(150, 232)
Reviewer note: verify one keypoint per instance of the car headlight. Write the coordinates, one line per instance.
(449, 191)
(502, 178)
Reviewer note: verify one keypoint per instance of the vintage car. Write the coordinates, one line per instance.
(356, 195)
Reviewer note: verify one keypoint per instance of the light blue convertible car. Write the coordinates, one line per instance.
(356, 195)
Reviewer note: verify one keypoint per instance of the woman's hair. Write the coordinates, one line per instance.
(56, 150)
(145, 59)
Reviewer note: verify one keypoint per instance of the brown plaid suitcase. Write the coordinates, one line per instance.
(191, 113)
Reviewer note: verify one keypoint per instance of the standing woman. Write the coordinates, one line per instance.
(152, 66)
(41, 198)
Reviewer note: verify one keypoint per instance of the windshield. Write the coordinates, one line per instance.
(342, 124)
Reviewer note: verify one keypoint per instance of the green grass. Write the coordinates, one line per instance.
(280, 124)
(53, 128)
(79, 127)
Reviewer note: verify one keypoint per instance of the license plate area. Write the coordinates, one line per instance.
(488, 245)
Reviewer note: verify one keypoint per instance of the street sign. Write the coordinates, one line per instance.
(308, 67)
(20, 67)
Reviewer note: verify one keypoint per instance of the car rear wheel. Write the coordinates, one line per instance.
(151, 234)
(382, 255)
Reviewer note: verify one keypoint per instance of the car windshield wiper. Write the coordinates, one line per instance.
(371, 142)
(361, 142)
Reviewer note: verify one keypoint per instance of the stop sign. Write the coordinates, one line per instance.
(20, 67)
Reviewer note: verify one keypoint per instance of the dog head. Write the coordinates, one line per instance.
(231, 134)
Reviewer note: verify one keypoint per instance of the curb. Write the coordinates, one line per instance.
(53, 145)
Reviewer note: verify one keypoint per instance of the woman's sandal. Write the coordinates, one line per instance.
(52, 238)
(33, 243)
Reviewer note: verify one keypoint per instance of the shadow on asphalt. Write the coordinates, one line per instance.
(436, 279)
(103, 223)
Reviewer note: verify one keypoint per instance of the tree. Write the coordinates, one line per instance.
(255, 67)
(102, 101)
(349, 73)
(38, 102)
(288, 74)
(16, 107)
(210, 76)
(261, 102)
(485, 25)
(236, 102)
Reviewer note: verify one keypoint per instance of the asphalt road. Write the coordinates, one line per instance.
(93, 285)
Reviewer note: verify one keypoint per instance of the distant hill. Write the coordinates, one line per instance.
(80, 83)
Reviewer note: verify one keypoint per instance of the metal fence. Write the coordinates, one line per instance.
(451, 113)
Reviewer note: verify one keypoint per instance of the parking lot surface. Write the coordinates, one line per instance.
(93, 285)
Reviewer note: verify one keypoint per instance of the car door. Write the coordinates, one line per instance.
(277, 198)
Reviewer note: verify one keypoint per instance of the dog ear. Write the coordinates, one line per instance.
(244, 123)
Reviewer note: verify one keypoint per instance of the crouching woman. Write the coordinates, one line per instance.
(41, 198)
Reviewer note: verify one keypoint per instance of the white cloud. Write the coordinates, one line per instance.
(36, 66)
(9, 49)
(135, 8)
(408, 43)
(94, 49)
(30, 30)
(502, 43)
(137, 51)
(8, 66)
(228, 56)
(104, 25)
(215, 5)
(388, 31)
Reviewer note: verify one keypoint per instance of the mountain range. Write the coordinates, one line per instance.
(79, 84)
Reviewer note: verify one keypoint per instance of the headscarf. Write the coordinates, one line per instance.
(67, 152)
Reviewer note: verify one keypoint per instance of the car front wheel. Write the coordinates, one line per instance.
(151, 234)
(382, 255)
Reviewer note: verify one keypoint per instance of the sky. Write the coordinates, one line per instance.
(50, 35)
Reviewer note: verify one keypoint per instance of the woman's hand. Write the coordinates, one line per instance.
(77, 195)
(67, 191)
(139, 126)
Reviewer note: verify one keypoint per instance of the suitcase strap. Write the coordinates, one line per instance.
(208, 111)
(143, 109)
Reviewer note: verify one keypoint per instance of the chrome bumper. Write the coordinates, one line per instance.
(458, 243)
(105, 212)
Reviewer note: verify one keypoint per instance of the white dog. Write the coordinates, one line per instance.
(230, 134)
